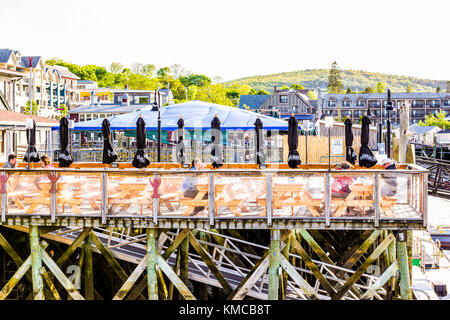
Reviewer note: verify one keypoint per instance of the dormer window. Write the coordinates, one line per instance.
(360, 103)
(447, 102)
(283, 99)
(332, 102)
(346, 102)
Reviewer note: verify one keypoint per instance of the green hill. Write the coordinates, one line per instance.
(357, 80)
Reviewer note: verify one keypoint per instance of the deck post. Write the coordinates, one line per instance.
(274, 264)
(327, 199)
(269, 203)
(151, 264)
(425, 198)
(36, 264)
(104, 196)
(88, 269)
(376, 198)
(402, 258)
(4, 199)
(184, 260)
(211, 199)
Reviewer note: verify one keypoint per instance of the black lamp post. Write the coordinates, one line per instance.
(157, 108)
(389, 107)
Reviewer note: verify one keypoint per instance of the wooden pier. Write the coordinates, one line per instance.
(354, 245)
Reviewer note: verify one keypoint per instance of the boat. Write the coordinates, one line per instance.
(441, 233)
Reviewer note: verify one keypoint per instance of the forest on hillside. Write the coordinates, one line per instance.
(357, 80)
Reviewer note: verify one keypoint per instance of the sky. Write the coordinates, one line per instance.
(236, 38)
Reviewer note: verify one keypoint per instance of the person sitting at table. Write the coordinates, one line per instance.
(46, 162)
(11, 163)
(189, 184)
(388, 183)
(340, 186)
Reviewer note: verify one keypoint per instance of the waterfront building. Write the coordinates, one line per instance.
(61, 86)
(87, 87)
(354, 105)
(280, 104)
(423, 134)
(13, 138)
(443, 137)
(124, 101)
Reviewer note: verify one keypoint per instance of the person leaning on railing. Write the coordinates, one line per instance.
(11, 163)
(388, 183)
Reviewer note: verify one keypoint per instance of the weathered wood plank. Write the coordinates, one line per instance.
(151, 265)
(379, 250)
(36, 264)
(211, 265)
(66, 283)
(128, 284)
(73, 246)
(50, 284)
(88, 269)
(306, 288)
(178, 283)
(274, 264)
(381, 281)
(312, 266)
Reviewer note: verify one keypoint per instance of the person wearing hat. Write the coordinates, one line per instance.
(388, 183)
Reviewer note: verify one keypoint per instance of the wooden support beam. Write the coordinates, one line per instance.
(66, 283)
(284, 277)
(162, 288)
(306, 288)
(73, 246)
(50, 284)
(250, 279)
(318, 236)
(88, 269)
(175, 243)
(255, 273)
(403, 267)
(178, 283)
(184, 260)
(381, 281)
(379, 250)
(151, 264)
(210, 263)
(36, 264)
(128, 284)
(354, 246)
(274, 264)
(138, 289)
(315, 246)
(21, 271)
(296, 247)
(362, 249)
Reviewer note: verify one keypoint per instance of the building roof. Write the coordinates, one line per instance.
(394, 95)
(128, 91)
(25, 61)
(4, 55)
(110, 108)
(63, 71)
(86, 81)
(254, 101)
(422, 129)
(19, 118)
(196, 115)
(443, 131)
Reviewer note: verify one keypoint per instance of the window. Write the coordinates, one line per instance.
(360, 103)
(88, 117)
(447, 102)
(283, 99)
(346, 103)
(332, 103)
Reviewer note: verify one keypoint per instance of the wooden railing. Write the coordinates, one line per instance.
(375, 196)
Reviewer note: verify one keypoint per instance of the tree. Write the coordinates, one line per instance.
(262, 92)
(296, 86)
(409, 88)
(312, 95)
(63, 112)
(438, 89)
(284, 87)
(437, 120)
(148, 70)
(116, 67)
(368, 90)
(334, 80)
(349, 90)
(447, 87)
(380, 87)
(136, 68)
(163, 72)
(53, 61)
(195, 79)
(34, 108)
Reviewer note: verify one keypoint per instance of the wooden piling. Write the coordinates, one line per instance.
(274, 264)
(403, 266)
(88, 269)
(36, 264)
(151, 264)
